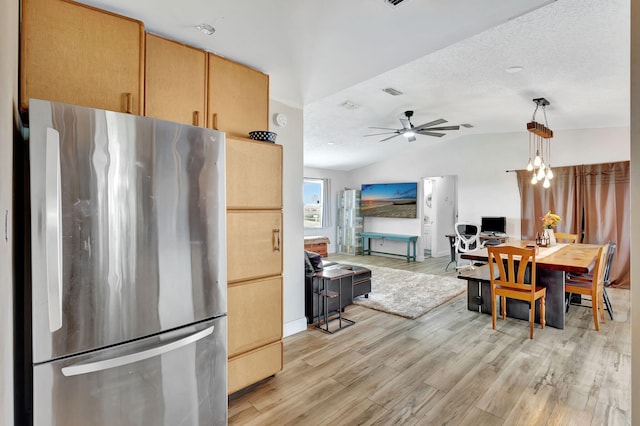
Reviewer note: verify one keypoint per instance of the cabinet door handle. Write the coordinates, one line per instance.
(129, 106)
(276, 239)
(214, 119)
(196, 118)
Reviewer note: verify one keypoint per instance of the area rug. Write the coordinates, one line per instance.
(408, 294)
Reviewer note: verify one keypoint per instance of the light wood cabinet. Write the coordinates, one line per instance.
(254, 260)
(175, 81)
(253, 366)
(80, 55)
(255, 314)
(254, 174)
(238, 97)
(254, 244)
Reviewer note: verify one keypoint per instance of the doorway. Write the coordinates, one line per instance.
(439, 213)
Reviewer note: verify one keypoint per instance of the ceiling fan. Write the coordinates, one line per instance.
(410, 131)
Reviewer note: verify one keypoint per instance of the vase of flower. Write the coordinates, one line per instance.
(549, 221)
(551, 237)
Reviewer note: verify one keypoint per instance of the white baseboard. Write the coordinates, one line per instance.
(295, 326)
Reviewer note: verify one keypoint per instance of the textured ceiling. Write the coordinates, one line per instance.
(575, 53)
(448, 57)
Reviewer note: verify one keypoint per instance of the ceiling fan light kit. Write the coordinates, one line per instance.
(410, 131)
(540, 146)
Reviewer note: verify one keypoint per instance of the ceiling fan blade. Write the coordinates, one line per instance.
(378, 134)
(438, 135)
(390, 137)
(383, 128)
(444, 128)
(406, 124)
(412, 139)
(431, 123)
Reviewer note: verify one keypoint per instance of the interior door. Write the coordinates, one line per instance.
(439, 212)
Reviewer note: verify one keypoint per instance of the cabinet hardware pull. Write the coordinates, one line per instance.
(276, 239)
(196, 118)
(129, 107)
(215, 121)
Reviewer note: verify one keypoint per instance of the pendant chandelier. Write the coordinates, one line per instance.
(540, 146)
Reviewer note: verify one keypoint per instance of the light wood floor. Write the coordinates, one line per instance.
(448, 367)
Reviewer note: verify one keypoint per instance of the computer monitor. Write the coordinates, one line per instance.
(492, 225)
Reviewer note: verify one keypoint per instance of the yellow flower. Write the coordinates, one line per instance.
(550, 220)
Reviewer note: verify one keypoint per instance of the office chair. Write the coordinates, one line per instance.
(467, 239)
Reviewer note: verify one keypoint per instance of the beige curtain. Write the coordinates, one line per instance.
(562, 198)
(607, 213)
(593, 201)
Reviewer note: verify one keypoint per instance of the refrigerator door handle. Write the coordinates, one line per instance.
(53, 226)
(90, 367)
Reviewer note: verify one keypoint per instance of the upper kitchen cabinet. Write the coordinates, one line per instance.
(80, 55)
(175, 81)
(238, 97)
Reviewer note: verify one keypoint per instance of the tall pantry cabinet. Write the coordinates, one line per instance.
(254, 261)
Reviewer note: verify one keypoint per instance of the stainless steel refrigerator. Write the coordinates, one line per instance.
(128, 270)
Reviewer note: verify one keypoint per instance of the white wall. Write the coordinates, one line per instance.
(290, 137)
(481, 162)
(338, 183)
(8, 101)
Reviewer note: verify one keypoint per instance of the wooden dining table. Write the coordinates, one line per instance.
(553, 264)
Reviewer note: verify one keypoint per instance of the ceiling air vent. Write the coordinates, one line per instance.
(394, 3)
(392, 91)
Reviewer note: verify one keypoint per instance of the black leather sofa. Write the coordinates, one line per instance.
(351, 286)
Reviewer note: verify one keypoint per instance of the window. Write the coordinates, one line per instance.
(313, 202)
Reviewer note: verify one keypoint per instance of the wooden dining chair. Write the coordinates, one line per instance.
(516, 281)
(593, 287)
(561, 237)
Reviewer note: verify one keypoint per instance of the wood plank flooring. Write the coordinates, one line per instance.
(448, 367)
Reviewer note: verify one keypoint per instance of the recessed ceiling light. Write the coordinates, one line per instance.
(206, 29)
(349, 105)
(331, 143)
(514, 69)
(392, 91)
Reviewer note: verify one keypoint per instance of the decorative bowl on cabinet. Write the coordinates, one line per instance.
(263, 135)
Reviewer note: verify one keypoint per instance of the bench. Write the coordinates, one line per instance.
(409, 239)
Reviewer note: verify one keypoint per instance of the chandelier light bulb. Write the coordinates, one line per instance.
(541, 173)
(546, 183)
(534, 179)
(537, 160)
(530, 165)
(549, 173)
